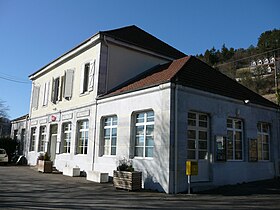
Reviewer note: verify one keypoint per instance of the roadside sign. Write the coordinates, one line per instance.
(191, 168)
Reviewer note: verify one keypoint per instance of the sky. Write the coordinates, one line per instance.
(35, 32)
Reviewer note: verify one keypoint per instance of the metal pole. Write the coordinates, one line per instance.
(275, 74)
(276, 79)
(189, 184)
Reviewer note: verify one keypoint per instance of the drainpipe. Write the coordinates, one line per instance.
(94, 134)
(176, 139)
(107, 63)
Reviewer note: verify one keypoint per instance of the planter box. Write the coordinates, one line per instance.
(127, 180)
(45, 166)
(97, 176)
(71, 171)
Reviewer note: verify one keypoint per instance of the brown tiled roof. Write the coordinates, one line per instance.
(136, 36)
(191, 72)
(158, 75)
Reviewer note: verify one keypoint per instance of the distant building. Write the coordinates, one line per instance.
(5, 127)
(18, 133)
(125, 93)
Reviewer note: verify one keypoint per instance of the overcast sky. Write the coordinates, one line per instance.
(35, 32)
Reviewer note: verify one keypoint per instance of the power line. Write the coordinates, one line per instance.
(247, 57)
(14, 80)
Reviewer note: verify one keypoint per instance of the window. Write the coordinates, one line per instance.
(234, 139)
(67, 128)
(15, 135)
(42, 139)
(55, 90)
(82, 137)
(198, 135)
(263, 141)
(86, 77)
(110, 135)
(144, 134)
(32, 139)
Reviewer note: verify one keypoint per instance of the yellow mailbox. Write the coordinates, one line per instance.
(191, 168)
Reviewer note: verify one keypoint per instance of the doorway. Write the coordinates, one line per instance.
(53, 141)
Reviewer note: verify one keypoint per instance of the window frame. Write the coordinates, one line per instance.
(109, 127)
(197, 128)
(262, 134)
(42, 138)
(66, 146)
(233, 129)
(32, 139)
(86, 72)
(145, 124)
(84, 140)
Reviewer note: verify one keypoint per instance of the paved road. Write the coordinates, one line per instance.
(25, 188)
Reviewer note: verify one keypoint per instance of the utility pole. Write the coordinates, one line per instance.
(276, 80)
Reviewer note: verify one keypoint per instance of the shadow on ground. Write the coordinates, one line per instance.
(264, 187)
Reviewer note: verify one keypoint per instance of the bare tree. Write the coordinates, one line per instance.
(3, 110)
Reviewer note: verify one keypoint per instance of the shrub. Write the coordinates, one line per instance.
(125, 165)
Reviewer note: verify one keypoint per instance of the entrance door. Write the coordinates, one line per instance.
(53, 140)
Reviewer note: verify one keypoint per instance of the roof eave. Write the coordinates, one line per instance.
(93, 39)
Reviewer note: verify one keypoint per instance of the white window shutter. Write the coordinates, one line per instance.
(91, 75)
(53, 91)
(35, 97)
(69, 78)
(46, 93)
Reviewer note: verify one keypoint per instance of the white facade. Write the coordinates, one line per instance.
(55, 104)
(157, 127)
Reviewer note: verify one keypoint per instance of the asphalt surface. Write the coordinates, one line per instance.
(24, 188)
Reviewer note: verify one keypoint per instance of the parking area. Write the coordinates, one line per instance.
(24, 188)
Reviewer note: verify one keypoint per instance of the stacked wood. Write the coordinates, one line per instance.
(128, 180)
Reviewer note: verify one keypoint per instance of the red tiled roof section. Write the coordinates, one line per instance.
(156, 76)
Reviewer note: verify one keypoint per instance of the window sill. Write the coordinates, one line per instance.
(109, 156)
(143, 158)
(84, 94)
(80, 154)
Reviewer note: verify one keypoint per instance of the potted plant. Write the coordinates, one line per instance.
(125, 177)
(44, 163)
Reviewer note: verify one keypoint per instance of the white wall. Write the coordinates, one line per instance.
(126, 63)
(78, 99)
(155, 170)
(219, 109)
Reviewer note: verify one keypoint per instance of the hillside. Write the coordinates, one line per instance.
(253, 67)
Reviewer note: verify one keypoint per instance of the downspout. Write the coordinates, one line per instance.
(176, 139)
(96, 104)
(94, 134)
(107, 63)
